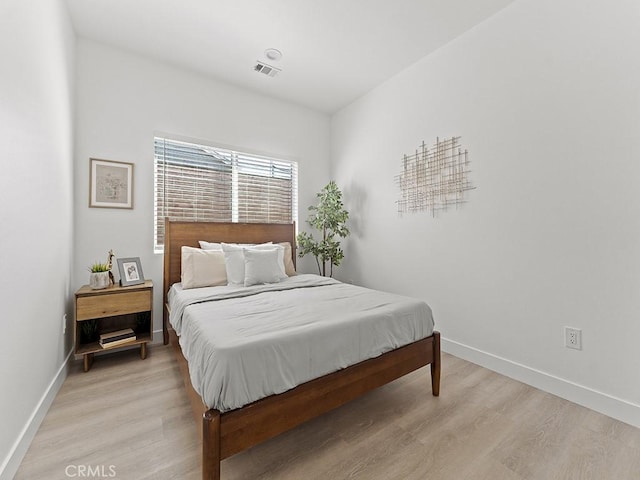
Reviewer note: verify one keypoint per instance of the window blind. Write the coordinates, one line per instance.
(196, 182)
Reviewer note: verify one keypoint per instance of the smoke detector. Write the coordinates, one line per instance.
(268, 70)
(273, 54)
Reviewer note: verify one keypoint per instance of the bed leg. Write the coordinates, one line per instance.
(165, 329)
(435, 365)
(211, 445)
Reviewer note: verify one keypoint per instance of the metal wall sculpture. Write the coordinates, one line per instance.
(433, 179)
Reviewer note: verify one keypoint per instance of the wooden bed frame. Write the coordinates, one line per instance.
(228, 433)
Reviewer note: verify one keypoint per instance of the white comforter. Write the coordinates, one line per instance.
(246, 343)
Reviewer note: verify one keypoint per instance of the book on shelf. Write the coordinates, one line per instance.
(117, 338)
(117, 335)
(117, 343)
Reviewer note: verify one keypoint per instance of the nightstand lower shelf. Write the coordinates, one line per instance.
(87, 350)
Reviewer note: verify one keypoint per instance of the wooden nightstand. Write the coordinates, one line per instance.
(111, 309)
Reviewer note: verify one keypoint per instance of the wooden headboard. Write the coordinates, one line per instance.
(177, 234)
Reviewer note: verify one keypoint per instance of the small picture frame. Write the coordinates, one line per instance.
(130, 271)
(110, 184)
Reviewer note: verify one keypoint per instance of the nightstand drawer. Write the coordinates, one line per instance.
(99, 306)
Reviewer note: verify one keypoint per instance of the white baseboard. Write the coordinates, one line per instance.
(611, 406)
(10, 465)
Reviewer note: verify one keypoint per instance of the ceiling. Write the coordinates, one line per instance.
(334, 51)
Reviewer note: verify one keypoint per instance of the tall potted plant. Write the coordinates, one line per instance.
(330, 218)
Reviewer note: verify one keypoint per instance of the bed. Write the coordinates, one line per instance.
(227, 431)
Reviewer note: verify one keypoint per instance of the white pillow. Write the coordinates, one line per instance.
(234, 263)
(234, 260)
(202, 268)
(262, 266)
(210, 246)
(280, 249)
(218, 246)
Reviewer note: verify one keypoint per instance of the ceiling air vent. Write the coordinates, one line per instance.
(266, 69)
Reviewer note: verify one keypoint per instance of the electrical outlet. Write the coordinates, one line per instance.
(64, 323)
(573, 338)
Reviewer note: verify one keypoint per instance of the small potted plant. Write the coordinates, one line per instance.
(99, 277)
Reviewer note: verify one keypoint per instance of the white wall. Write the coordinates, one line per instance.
(36, 192)
(546, 97)
(122, 99)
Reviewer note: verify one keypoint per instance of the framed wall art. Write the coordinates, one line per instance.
(110, 184)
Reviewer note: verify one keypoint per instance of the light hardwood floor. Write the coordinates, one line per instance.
(133, 415)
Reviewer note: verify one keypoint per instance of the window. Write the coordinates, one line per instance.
(204, 183)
